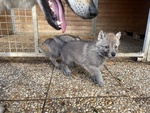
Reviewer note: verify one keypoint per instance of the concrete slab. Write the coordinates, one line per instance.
(34, 106)
(20, 81)
(95, 105)
(134, 77)
(79, 85)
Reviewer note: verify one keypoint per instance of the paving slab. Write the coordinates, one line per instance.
(134, 76)
(17, 106)
(96, 105)
(78, 84)
(20, 81)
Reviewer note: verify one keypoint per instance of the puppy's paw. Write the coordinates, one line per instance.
(58, 66)
(66, 72)
(93, 78)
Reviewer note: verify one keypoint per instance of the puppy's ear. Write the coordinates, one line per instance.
(118, 35)
(101, 35)
(46, 42)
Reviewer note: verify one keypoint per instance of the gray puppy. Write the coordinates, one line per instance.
(90, 54)
(55, 44)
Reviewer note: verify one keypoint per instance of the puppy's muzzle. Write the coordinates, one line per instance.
(113, 54)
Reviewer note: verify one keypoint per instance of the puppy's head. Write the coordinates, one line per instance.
(107, 44)
(46, 42)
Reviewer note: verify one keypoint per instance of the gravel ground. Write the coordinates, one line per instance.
(33, 85)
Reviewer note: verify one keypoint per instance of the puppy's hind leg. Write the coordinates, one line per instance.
(96, 74)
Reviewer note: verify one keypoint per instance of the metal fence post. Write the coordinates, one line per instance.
(94, 20)
(146, 45)
(13, 21)
(35, 28)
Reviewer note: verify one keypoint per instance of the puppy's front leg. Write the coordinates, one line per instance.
(66, 71)
(54, 62)
(96, 74)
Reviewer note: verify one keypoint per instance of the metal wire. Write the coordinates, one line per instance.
(16, 31)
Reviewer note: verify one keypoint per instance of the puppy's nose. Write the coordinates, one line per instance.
(113, 54)
(93, 12)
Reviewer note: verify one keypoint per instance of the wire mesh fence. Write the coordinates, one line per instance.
(16, 31)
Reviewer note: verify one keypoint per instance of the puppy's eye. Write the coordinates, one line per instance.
(106, 47)
(116, 47)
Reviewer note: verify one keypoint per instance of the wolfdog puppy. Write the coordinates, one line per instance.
(55, 44)
(90, 54)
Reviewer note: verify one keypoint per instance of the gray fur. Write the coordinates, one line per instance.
(55, 44)
(9, 4)
(90, 54)
(2, 108)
